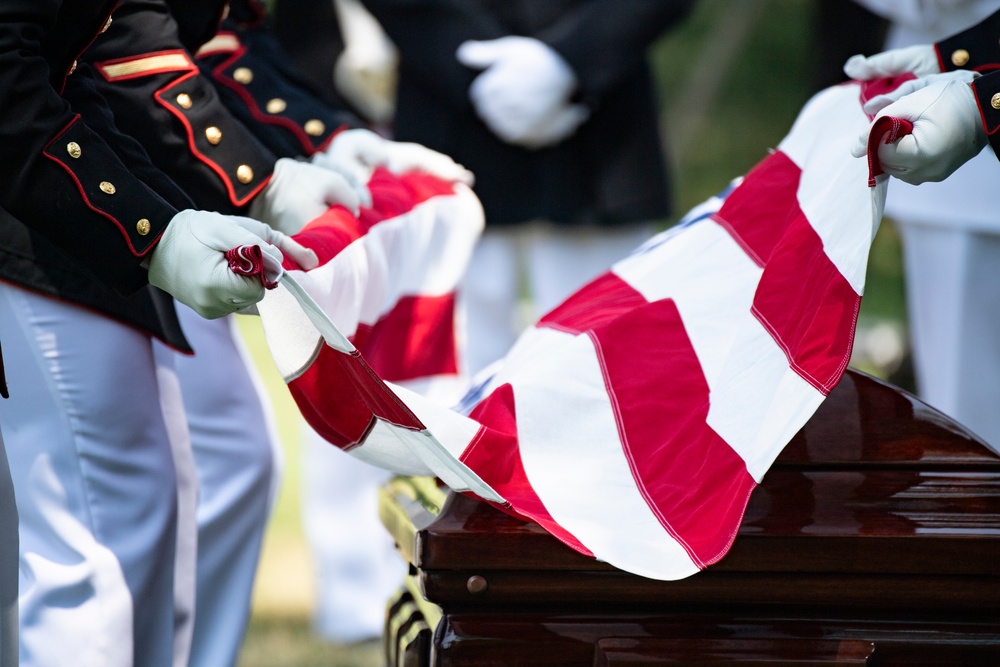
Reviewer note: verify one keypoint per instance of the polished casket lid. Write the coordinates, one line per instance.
(879, 498)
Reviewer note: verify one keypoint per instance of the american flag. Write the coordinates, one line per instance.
(634, 420)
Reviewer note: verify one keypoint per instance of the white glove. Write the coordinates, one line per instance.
(368, 81)
(366, 70)
(189, 261)
(300, 192)
(947, 132)
(305, 257)
(523, 94)
(920, 60)
(356, 153)
(879, 102)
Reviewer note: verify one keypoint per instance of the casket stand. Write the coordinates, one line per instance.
(873, 540)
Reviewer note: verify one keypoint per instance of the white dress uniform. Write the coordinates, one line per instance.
(950, 235)
(238, 464)
(91, 455)
(8, 565)
(100, 450)
(356, 563)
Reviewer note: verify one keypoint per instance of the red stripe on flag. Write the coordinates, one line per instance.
(803, 301)
(603, 299)
(414, 339)
(340, 397)
(329, 234)
(392, 196)
(757, 213)
(396, 194)
(495, 456)
(690, 477)
(808, 307)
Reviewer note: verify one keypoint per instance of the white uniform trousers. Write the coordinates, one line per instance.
(8, 564)
(79, 371)
(94, 477)
(541, 261)
(950, 233)
(356, 562)
(234, 442)
(953, 298)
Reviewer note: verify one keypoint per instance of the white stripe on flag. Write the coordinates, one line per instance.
(827, 126)
(759, 403)
(562, 458)
(350, 287)
(412, 254)
(755, 396)
(410, 452)
(689, 269)
(293, 340)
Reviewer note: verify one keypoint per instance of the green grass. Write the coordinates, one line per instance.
(724, 121)
(281, 641)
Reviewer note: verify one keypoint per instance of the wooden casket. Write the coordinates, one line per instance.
(873, 540)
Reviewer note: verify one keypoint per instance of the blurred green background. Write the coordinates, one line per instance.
(731, 80)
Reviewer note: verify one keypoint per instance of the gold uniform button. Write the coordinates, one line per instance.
(108, 188)
(107, 24)
(959, 57)
(244, 174)
(72, 68)
(995, 101)
(74, 149)
(314, 127)
(243, 75)
(277, 105)
(184, 101)
(143, 227)
(213, 134)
